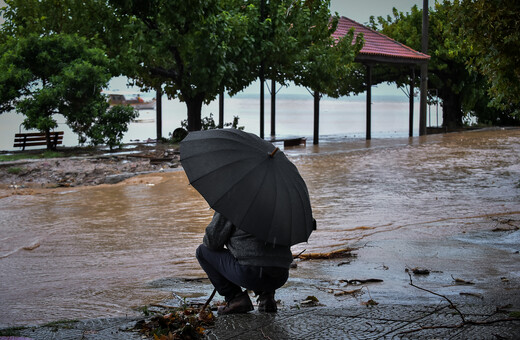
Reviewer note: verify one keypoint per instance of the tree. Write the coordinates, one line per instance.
(55, 74)
(490, 29)
(462, 90)
(111, 125)
(197, 49)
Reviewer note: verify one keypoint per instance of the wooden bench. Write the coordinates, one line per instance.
(291, 141)
(21, 140)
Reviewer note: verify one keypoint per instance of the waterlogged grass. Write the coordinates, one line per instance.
(55, 325)
(15, 170)
(63, 324)
(13, 331)
(18, 156)
(515, 314)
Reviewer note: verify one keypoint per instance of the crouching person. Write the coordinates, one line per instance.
(234, 259)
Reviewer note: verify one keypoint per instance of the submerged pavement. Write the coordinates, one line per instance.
(471, 292)
(376, 322)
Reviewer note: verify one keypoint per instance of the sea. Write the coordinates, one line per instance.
(340, 119)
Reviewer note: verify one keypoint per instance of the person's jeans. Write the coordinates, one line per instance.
(227, 275)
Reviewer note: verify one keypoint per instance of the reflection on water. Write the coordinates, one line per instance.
(91, 252)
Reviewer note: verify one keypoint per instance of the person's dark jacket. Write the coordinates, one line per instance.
(246, 248)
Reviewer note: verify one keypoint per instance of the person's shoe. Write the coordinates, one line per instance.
(241, 303)
(267, 303)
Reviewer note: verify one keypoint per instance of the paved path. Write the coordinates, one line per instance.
(359, 322)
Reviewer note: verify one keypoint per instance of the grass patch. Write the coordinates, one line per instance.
(63, 324)
(13, 331)
(9, 158)
(31, 155)
(15, 170)
(515, 314)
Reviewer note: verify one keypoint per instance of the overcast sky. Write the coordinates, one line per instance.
(361, 10)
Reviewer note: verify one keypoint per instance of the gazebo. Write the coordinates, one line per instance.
(378, 49)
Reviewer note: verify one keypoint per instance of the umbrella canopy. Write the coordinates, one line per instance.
(250, 182)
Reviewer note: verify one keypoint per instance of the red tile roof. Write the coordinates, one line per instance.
(378, 46)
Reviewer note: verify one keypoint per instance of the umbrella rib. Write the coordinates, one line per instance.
(271, 229)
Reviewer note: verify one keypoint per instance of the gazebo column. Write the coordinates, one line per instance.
(273, 107)
(412, 89)
(158, 112)
(369, 101)
(424, 70)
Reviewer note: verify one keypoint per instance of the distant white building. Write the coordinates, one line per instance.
(2, 4)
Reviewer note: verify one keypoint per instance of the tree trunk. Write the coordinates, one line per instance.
(194, 106)
(48, 139)
(158, 112)
(452, 111)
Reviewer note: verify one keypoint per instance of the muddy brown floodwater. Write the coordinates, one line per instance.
(91, 252)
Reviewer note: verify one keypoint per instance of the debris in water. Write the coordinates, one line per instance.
(310, 301)
(461, 281)
(370, 303)
(353, 292)
(340, 253)
(418, 271)
(477, 295)
(184, 323)
(360, 281)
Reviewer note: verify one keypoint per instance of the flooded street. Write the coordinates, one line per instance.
(93, 252)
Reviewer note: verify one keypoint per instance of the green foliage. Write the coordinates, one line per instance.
(194, 50)
(451, 70)
(446, 69)
(47, 75)
(110, 126)
(92, 19)
(208, 123)
(60, 74)
(490, 29)
(178, 134)
(319, 62)
(198, 50)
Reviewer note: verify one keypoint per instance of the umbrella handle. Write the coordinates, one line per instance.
(274, 151)
(209, 300)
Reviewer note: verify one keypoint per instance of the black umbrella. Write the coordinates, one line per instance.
(250, 182)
